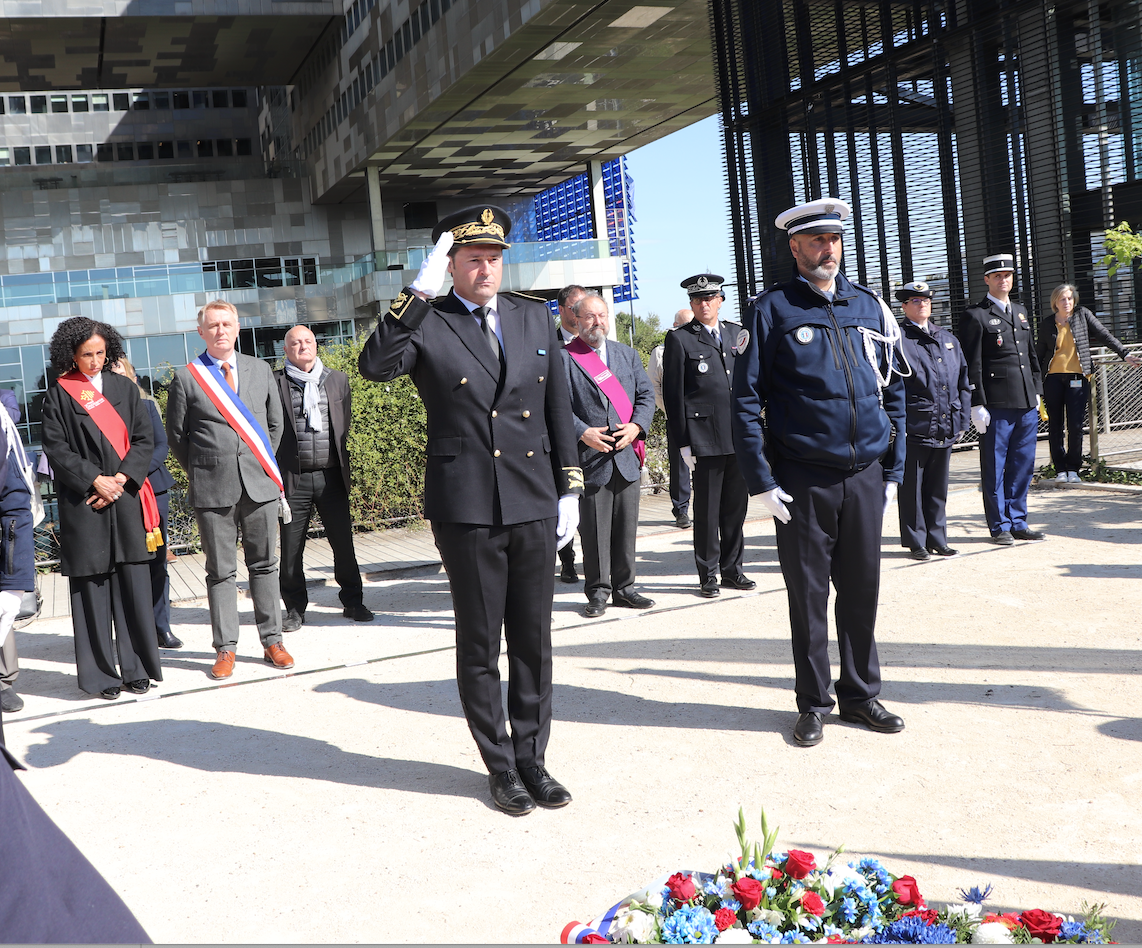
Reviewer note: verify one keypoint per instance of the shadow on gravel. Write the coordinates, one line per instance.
(579, 705)
(1125, 729)
(226, 748)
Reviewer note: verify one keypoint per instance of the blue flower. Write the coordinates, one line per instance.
(912, 930)
(1077, 931)
(667, 907)
(690, 925)
(770, 891)
(732, 904)
(975, 895)
(762, 930)
(796, 938)
(849, 909)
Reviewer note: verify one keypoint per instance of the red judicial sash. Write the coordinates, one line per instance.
(114, 429)
(588, 360)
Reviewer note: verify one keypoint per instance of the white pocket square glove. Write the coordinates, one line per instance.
(889, 494)
(568, 520)
(688, 458)
(980, 417)
(9, 609)
(434, 270)
(775, 501)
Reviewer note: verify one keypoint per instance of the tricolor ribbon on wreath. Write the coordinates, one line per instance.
(111, 425)
(239, 417)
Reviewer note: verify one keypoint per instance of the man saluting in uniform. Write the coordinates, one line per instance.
(697, 378)
(812, 358)
(501, 486)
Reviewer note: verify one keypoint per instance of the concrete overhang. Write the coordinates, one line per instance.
(149, 45)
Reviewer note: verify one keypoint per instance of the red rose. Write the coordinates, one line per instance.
(725, 918)
(799, 864)
(813, 904)
(908, 892)
(929, 915)
(777, 873)
(681, 887)
(1042, 925)
(748, 892)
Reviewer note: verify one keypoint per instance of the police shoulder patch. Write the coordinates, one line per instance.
(804, 335)
(743, 340)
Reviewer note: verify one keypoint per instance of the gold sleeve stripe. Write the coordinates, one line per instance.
(574, 478)
(401, 304)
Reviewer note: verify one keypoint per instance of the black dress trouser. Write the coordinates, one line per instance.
(1066, 392)
(120, 602)
(834, 532)
(924, 496)
(720, 501)
(324, 490)
(500, 577)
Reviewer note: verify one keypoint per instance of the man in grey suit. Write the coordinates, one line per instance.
(229, 486)
(613, 403)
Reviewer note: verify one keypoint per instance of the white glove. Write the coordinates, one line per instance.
(773, 500)
(434, 270)
(9, 609)
(688, 458)
(980, 417)
(889, 494)
(568, 520)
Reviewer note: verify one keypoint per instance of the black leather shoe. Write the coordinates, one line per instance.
(631, 600)
(808, 730)
(10, 702)
(292, 621)
(942, 551)
(357, 613)
(139, 686)
(919, 553)
(109, 693)
(567, 574)
(709, 589)
(872, 715)
(509, 793)
(1028, 534)
(544, 789)
(168, 639)
(595, 608)
(741, 581)
(1003, 538)
(681, 521)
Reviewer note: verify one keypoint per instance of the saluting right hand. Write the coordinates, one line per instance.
(434, 270)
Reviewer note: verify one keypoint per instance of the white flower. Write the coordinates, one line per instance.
(971, 911)
(769, 916)
(734, 936)
(992, 933)
(633, 926)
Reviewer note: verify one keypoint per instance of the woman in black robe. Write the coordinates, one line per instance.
(103, 544)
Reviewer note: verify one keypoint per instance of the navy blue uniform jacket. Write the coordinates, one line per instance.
(804, 365)
(697, 384)
(938, 391)
(1002, 366)
(515, 443)
(17, 540)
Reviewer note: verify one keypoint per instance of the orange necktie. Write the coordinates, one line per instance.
(229, 376)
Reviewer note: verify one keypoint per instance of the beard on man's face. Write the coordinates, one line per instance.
(823, 266)
(593, 337)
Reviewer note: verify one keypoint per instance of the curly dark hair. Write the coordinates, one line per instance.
(73, 333)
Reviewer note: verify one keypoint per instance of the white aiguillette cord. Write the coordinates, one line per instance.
(892, 348)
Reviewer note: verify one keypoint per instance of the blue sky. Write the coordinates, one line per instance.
(682, 218)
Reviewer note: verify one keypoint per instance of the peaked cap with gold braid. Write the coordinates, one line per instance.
(482, 224)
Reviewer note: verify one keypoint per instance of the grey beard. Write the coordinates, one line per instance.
(820, 272)
(594, 339)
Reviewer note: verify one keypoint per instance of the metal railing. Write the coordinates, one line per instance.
(1114, 415)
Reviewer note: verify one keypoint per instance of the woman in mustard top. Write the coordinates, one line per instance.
(1063, 348)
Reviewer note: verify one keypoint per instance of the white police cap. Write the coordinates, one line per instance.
(917, 288)
(997, 263)
(825, 216)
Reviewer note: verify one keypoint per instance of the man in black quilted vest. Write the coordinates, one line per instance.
(314, 460)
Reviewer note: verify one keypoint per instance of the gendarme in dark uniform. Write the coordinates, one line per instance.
(819, 448)
(501, 455)
(697, 384)
(1004, 374)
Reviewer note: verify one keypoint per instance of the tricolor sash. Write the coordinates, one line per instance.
(588, 360)
(114, 429)
(239, 417)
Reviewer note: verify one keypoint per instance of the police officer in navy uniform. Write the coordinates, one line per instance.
(822, 458)
(1006, 385)
(939, 411)
(697, 383)
(501, 486)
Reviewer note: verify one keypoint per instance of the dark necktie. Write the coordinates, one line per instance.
(489, 334)
(229, 376)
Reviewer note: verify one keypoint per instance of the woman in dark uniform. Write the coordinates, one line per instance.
(97, 435)
(938, 410)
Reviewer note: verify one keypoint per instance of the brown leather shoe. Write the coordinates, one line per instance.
(277, 656)
(223, 665)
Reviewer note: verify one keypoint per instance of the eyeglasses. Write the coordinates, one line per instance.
(920, 299)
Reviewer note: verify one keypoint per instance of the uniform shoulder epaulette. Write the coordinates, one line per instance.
(868, 290)
(526, 296)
